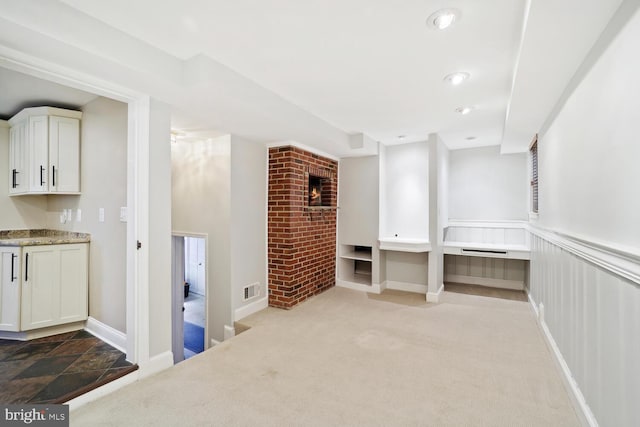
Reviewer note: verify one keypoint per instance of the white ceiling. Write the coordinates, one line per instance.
(21, 91)
(315, 71)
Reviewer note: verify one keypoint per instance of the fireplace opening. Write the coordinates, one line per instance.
(316, 185)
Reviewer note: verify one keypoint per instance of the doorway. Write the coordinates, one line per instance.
(189, 301)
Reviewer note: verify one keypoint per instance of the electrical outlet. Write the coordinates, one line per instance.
(79, 215)
(123, 214)
(101, 215)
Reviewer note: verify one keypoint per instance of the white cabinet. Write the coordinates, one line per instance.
(48, 287)
(10, 289)
(54, 289)
(45, 151)
(18, 179)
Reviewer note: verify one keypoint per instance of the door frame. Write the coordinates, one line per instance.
(177, 298)
(137, 264)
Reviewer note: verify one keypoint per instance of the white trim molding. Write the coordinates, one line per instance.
(252, 308)
(155, 364)
(106, 333)
(435, 296)
(405, 286)
(618, 261)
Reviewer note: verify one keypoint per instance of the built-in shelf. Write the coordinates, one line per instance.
(355, 264)
(358, 254)
(404, 244)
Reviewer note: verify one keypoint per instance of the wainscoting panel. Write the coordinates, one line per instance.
(496, 272)
(593, 316)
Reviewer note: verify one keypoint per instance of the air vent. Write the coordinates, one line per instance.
(251, 291)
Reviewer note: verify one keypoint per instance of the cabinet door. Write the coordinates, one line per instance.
(9, 289)
(55, 285)
(64, 155)
(38, 154)
(74, 280)
(17, 157)
(40, 287)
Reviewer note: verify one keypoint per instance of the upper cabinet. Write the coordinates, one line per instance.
(44, 151)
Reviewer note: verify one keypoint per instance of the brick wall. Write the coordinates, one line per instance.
(302, 239)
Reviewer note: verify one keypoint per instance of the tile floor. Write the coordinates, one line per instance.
(58, 368)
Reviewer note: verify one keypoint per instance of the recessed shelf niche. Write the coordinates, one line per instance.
(355, 264)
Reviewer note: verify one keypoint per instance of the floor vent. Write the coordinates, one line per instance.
(251, 291)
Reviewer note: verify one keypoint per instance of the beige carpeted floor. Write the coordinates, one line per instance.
(351, 358)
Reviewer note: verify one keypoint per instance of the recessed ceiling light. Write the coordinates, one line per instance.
(464, 110)
(456, 78)
(402, 136)
(444, 18)
(470, 138)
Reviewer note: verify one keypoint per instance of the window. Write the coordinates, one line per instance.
(534, 174)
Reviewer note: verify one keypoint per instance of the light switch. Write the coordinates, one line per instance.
(123, 214)
(101, 215)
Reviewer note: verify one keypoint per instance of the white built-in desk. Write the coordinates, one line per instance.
(404, 244)
(488, 253)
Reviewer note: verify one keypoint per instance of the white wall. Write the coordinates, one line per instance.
(103, 185)
(485, 185)
(201, 203)
(588, 159)
(17, 212)
(358, 201)
(159, 244)
(406, 202)
(248, 218)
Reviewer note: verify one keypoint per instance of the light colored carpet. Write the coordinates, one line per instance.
(347, 358)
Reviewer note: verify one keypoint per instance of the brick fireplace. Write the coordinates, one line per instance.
(303, 189)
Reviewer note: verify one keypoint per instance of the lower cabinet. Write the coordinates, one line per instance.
(50, 289)
(10, 287)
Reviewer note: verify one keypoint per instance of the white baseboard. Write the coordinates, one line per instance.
(249, 309)
(435, 296)
(373, 288)
(42, 332)
(214, 342)
(229, 332)
(405, 286)
(106, 333)
(155, 364)
(485, 281)
(577, 398)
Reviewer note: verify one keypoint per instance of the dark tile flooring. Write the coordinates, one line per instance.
(58, 368)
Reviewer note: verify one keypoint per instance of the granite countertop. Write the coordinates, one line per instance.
(41, 237)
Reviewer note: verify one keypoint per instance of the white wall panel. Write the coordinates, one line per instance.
(593, 315)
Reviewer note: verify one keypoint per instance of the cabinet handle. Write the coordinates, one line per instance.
(53, 175)
(26, 268)
(41, 177)
(13, 271)
(13, 178)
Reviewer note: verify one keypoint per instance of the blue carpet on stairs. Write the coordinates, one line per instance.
(193, 337)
